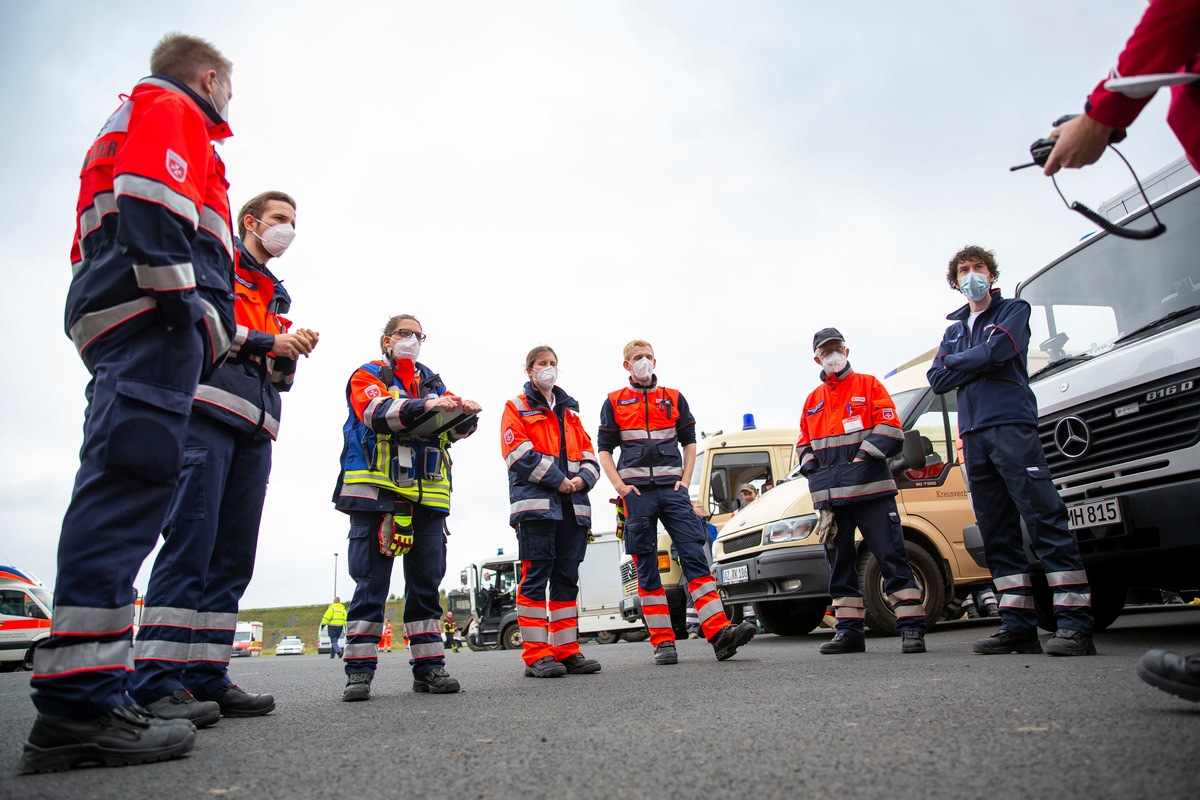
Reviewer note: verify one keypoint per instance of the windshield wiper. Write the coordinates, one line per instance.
(1066, 360)
(1157, 322)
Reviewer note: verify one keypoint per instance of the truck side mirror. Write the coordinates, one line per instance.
(912, 455)
(717, 488)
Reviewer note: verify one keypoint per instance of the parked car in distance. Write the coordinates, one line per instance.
(290, 646)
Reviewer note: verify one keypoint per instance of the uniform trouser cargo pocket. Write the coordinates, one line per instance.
(147, 430)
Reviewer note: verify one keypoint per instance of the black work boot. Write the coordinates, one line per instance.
(545, 667)
(665, 654)
(1070, 642)
(731, 637)
(1171, 672)
(579, 664)
(436, 682)
(912, 642)
(237, 702)
(358, 687)
(843, 643)
(180, 704)
(1003, 642)
(123, 736)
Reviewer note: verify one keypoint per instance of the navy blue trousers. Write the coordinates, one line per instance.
(139, 399)
(552, 550)
(1010, 481)
(884, 537)
(205, 564)
(424, 568)
(674, 510)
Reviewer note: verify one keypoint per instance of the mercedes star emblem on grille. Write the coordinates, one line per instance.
(1072, 437)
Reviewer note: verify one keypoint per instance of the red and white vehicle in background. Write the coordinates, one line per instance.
(248, 639)
(25, 609)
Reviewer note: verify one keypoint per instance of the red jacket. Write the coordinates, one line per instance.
(850, 415)
(541, 448)
(649, 424)
(153, 242)
(1166, 40)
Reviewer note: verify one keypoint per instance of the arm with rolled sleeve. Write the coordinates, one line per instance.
(521, 457)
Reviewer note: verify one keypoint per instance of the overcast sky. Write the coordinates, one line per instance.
(721, 179)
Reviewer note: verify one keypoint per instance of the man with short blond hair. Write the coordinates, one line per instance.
(150, 313)
(649, 424)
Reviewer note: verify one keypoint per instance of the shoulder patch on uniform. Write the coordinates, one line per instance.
(372, 391)
(627, 402)
(508, 436)
(176, 167)
(888, 413)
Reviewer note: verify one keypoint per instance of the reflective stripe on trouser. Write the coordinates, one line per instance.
(673, 509)
(1010, 482)
(424, 567)
(703, 591)
(550, 553)
(207, 558)
(139, 399)
(880, 525)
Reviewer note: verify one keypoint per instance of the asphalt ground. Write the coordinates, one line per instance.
(776, 720)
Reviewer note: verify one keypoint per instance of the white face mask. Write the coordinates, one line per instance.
(545, 378)
(833, 363)
(222, 110)
(406, 348)
(642, 369)
(277, 238)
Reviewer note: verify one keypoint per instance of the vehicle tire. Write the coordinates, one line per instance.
(608, 637)
(27, 662)
(510, 639)
(929, 578)
(635, 636)
(1108, 601)
(790, 617)
(736, 612)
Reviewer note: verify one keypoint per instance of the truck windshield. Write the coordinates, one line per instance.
(242, 636)
(1115, 290)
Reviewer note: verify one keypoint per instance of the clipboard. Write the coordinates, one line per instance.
(434, 423)
(1139, 86)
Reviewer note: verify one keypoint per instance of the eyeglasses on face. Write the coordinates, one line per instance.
(402, 333)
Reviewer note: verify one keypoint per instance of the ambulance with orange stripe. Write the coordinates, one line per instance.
(25, 606)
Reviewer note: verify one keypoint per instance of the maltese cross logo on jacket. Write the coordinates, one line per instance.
(176, 166)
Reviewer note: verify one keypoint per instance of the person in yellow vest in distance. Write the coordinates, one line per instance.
(334, 622)
(449, 628)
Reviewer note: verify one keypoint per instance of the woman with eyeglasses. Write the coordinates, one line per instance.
(395, 485)
(551, 467)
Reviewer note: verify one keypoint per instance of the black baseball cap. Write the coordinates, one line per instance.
(826, 335)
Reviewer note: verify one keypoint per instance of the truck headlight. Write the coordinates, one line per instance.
(792, 529)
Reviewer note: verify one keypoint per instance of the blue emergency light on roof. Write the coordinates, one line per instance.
(499, 551)
(748, 422)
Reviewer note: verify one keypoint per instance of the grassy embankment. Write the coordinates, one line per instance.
(303, 621)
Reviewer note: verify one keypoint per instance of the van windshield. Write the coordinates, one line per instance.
(1116, 290)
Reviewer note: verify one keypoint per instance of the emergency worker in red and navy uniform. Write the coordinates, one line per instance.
(395, 485)
(848, 430)
(649, 423)
(551, 469)
(207, 558)
(150, 314)
(982, 357)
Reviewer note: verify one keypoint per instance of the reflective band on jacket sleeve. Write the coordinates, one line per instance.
(94, 323)
(216, 331)
(91, 217)
(169, 278)
(1071, 578)
(50, 662)
(518, 451)
(541, 469)
(872, 450)
(129, 185)
(1077, 599)
(212, 222)
(85, 621)
(237, 405)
